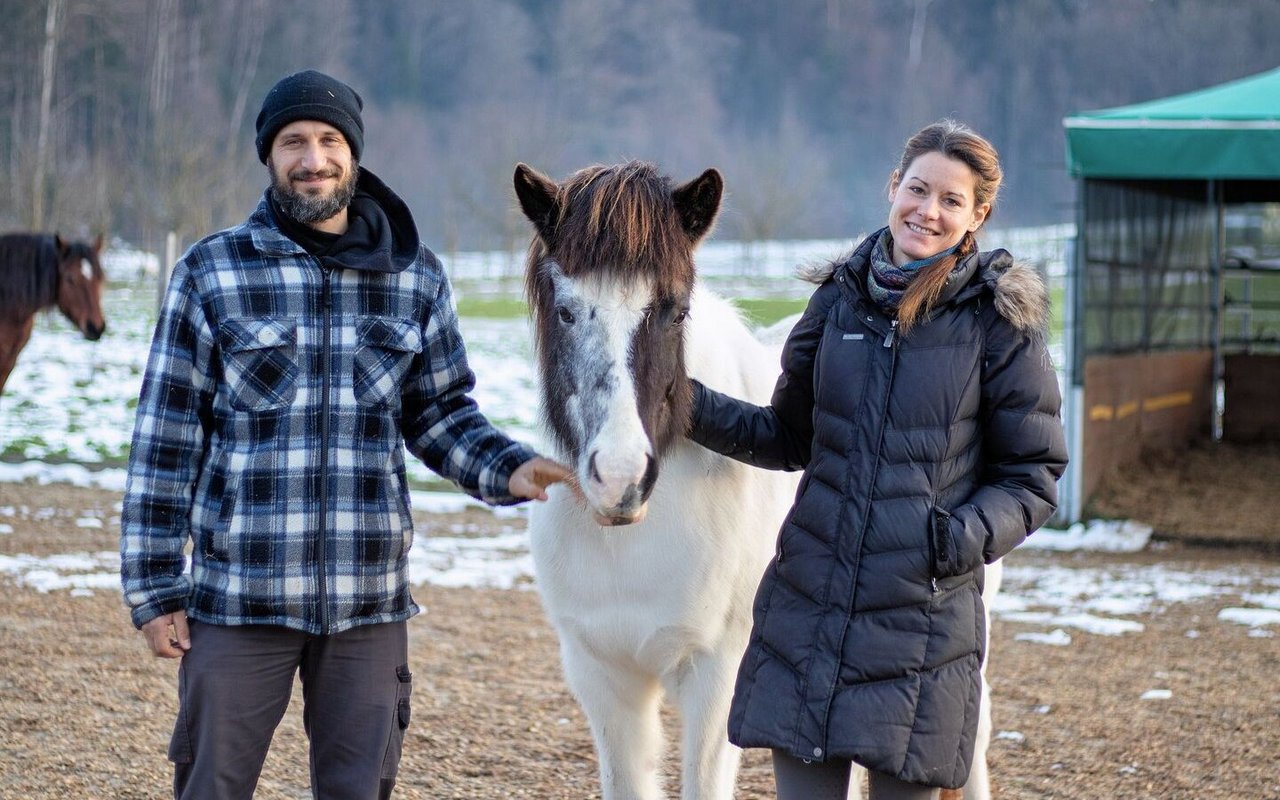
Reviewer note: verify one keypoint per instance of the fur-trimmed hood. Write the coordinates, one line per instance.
(1020, 292)
(1018, 288)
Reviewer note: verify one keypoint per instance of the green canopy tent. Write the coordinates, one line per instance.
(1170, 307)
(1230, 131)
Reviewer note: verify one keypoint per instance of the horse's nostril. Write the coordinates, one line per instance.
(94, 332)
(650, 478)
(591, 468)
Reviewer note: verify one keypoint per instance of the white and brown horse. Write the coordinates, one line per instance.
(39, 271)
(648, 570)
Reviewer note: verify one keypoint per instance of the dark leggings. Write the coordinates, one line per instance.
(797, 779)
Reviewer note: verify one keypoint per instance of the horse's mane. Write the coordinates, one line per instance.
(28, 272)
(619, 219)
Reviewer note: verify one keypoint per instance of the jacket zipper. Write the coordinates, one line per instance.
(848, 611)
(893, 329)
(326, 355)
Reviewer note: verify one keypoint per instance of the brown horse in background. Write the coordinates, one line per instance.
(39, 271)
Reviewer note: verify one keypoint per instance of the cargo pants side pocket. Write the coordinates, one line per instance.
(404, 690)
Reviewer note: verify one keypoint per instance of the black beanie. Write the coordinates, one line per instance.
(310, 95)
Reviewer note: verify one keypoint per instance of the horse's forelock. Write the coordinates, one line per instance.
(79, 251)
(622, 219)
(538, 290)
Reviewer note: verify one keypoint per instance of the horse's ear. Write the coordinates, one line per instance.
(697, 203)
(60, 244)
(537, 195)
(97, 243)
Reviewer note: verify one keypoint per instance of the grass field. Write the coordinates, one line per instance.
(70, 400)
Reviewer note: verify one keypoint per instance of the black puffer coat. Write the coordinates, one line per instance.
(925, 457)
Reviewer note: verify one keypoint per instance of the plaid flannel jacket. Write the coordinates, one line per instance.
(269, 433)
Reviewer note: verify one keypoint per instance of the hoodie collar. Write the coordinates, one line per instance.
(381, 236)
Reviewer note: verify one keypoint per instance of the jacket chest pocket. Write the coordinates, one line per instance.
(841, 368)
(385, 348)
(260, 362)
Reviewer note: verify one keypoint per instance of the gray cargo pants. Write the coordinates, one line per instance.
(234, 685)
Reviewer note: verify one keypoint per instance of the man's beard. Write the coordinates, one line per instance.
(307, 208)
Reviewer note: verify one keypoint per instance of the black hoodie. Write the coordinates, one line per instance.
(380, 237)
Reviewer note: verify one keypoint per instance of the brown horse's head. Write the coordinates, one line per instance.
(609, 278)
(80, 280)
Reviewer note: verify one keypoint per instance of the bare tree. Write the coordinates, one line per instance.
(48, 61)
(136, 112)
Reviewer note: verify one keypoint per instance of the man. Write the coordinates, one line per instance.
(294, 355)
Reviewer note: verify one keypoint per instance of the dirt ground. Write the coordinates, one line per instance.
(1212, 494)
(85, 712)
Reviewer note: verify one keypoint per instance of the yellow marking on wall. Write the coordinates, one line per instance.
(1161, 402)
(1106, 413)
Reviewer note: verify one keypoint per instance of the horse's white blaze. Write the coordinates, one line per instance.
(621, 450)
(616, 450)
(86, 269)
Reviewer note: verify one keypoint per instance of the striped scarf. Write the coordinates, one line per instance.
(887, 282)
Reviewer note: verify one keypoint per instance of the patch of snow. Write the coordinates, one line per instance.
(1253, 617)
(1271, 600)
(1108, 536)
(453, 502)
(76, 571)
(499, 562)
(73, 474)
(1100, 626)
(1058, 638)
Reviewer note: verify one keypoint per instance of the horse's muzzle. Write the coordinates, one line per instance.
(93, 332)
(614, 520)
(619, 499)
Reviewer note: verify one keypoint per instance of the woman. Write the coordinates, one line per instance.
(918, 397)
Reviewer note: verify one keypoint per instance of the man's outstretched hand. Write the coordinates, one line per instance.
(531, 479)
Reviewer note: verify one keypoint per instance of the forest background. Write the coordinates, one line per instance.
(135, 117)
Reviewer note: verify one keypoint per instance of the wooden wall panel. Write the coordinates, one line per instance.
(1133, 403)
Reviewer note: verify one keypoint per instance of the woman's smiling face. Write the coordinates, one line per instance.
(932, 207)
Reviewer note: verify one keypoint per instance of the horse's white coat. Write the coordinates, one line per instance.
(663, 606)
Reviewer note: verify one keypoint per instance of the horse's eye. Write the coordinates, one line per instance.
(566, 316)
(680, 317)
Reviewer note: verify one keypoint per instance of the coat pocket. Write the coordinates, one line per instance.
(259, 362)
(941, 546)
(404, 691)
(384, 351)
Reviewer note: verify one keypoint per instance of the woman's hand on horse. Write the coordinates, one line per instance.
(531, 479)
(167, 635)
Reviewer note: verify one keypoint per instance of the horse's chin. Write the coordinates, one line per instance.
(616, 518)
